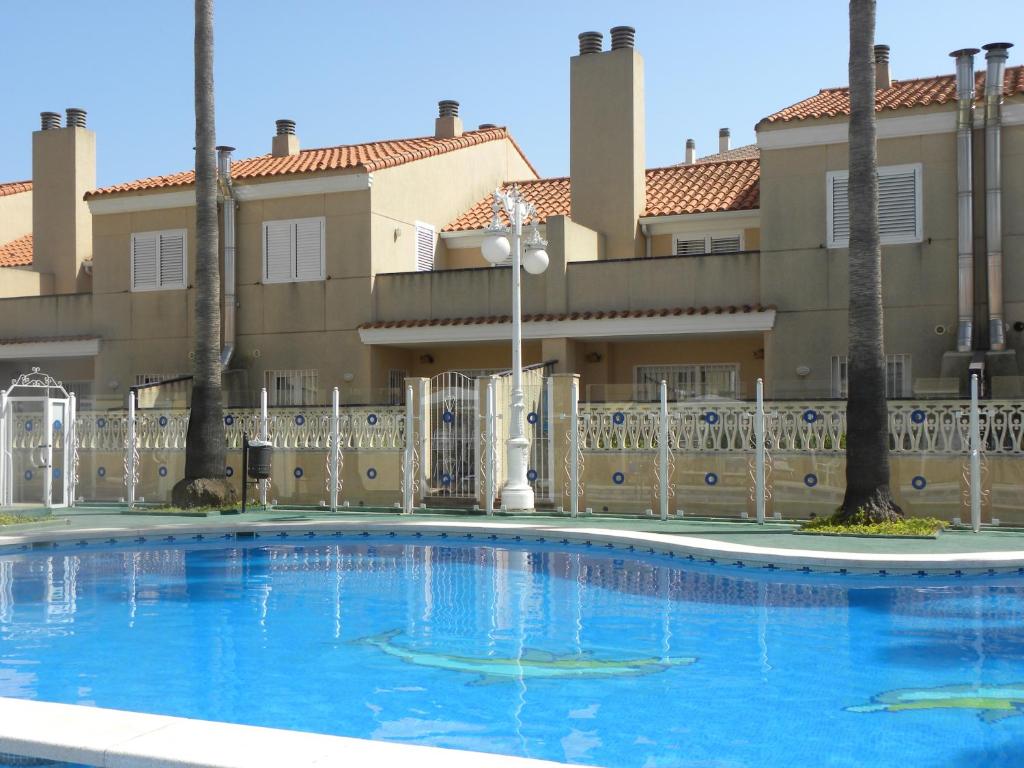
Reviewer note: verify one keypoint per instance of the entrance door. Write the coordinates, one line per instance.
(453, 415)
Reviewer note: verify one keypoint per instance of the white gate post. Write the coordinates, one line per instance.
(264, 437)
(6, 469)
(574, 449)
(335, 449)
(663, 451)
(489, 446)
(549, 414)
(408, 481)
(759, 489)
(129, 444)
(71, 452)
(424, 436)
(975, 427)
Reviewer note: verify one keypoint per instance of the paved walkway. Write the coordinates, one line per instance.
(774, 542)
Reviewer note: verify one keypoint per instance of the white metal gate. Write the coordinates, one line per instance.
(454, 403)
(38, 450)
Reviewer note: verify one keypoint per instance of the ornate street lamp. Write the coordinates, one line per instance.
(516, 494)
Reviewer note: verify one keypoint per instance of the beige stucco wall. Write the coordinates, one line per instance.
(23, 281)
(15, 216)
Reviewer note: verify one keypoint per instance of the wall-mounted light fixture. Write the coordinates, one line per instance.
(803, 371)
(427, 359)
(593, 357)
(347, 376)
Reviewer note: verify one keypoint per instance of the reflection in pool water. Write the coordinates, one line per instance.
(568, 653)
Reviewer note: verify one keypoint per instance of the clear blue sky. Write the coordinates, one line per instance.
(350, 71)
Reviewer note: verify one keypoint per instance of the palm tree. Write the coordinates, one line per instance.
(204, 483)
(867, 418)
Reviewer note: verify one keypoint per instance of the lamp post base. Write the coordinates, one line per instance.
(517, 501)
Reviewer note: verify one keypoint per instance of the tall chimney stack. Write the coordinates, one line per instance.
(883, 75)
(723, 139)
(606, 140)
(63, 170)
(285, 141)
(448, 125)
(691, 152)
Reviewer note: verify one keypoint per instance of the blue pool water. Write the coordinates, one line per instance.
(570, 653)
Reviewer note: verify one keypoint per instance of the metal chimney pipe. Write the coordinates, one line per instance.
(723, 139)
(75, 117)
(995, 57)
(448, 108)
(691, 152)
(228, 209)
(590, 42)
(285, 127)
(49, 120)
(623, 37)
(883, 75)
(965, 197)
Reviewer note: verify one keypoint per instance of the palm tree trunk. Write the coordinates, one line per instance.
(867, 419)
(205, 483)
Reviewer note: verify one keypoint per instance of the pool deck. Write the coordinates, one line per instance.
(774, 544)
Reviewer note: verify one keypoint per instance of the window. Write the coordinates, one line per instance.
(700, 245)
(293, 387)
(425, 239)
(899, 205)
(142, 379)
(293, 250)
(396, 386)
(158, 260)
(897, 376)
(703, 381)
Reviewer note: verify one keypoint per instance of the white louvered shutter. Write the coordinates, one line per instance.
(309, 249)
(725, 244)
(897, 205)
(692, 247)
(145, 261)
(277, 251)
(424, 248)
(840, 209)
(172, 259)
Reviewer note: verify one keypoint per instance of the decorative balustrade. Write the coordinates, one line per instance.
(914, 427)
(306, 429)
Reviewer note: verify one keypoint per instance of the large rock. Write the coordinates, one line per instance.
(204, 492)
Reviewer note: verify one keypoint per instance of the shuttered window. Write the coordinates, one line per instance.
(897, 376)
(293, 250)
(425, 239)
(158, 260)
(702, 381)
(701, 245)
(899, 206)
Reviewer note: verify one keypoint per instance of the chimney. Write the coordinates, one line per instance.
(883, 76)
(691, 152)
(63, 170)
(723, 139)
(606, 145)
(285, 141)
(447, 125)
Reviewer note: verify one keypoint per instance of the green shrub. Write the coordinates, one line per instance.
(912, 526)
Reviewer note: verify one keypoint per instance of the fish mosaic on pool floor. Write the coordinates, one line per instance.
(992, 702)
(532, 663)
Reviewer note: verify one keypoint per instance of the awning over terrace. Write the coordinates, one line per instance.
(621, 324)
(53, 346)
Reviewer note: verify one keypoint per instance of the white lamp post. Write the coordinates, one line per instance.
(516, 494)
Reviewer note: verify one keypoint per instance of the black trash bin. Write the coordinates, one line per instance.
(260, 452)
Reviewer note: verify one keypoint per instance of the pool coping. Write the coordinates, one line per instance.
(703, 549)
(112, 738)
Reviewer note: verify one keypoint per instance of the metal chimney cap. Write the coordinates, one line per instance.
(691, 144)
(724, 132)
(964, 52)
(881, 53)
(997, 47)
(285, 127)
(224, 148)
(590, 42)
(75, 117)
(485, 126)
(623, 37)
(49, 120)
(448, 108)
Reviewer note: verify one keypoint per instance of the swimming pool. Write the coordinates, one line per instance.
(563, 652)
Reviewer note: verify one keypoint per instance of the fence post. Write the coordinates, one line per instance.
(6, 470)
(975, 426)
(549, 420)
(408, 463)
(489, 445)
(264, 433)
(71, 452)
(335, 449)
(130, 453)
(663, 450)
(759, 489)
(424, 436)
(574, 448)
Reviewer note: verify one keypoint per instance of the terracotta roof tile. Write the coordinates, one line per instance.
(940, 89)
(47, 339)
(15, 187)
(372, 156)
(585, 315)
(16, 253)
(746, 152)
(698, 188)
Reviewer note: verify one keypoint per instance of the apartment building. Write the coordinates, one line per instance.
(360, 265)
